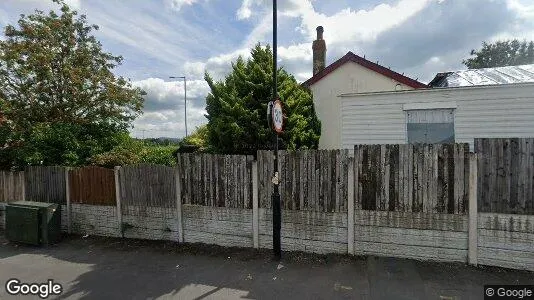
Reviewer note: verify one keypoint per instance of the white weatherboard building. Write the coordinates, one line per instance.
(349, 74)
(362, 102)
(437, 115)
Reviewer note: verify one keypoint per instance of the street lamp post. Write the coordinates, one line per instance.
(185, 99)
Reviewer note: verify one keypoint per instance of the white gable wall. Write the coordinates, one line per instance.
(481, 112)
(349, 78)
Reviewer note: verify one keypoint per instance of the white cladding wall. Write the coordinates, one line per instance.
(481, 112)
(349, 78)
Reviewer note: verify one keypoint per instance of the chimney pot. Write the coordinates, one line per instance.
(320, 31)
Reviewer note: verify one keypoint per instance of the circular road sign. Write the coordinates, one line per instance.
(278, 116)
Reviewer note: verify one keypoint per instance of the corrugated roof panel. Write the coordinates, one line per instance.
(518, 73)
(455, 80)
(475, 78)
(488, 76)
(528, 68)
(497, 76)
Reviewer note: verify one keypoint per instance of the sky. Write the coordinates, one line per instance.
(163, 38)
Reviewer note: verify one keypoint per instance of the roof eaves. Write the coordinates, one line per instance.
(367, 64)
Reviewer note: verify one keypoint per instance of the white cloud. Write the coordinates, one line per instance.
(224, 59)
(195, 69)
(346, 24)
(345, 30)
(168, 123)
(217, 66)
(4, 19)
(141, 32)
(156, 116)
(178, 4)
(301, 52)
(523, 24)
(523, 10)
(76, 4)
(351, 25)
(258, 34)
(157, 43)
(245, 11)
(166, 94)
(164, 107)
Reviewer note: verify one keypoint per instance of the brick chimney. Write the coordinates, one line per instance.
(319, 51)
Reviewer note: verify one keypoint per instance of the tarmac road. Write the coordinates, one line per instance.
(104, 268)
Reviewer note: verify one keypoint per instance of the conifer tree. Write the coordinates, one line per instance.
(237, 108)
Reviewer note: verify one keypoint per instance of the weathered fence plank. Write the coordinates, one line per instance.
(216, 180)
(92, 185)
(315, 180)
(412, 178)
(11, 186)
(145, 187)
(505, 175)
(45, 184)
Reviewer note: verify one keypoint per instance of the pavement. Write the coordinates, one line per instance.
(108, 268)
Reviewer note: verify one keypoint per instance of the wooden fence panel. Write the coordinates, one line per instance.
(315, 180)
(414, 178)
(92, 185)
(45, 184)
(147, 186)
(216, 180)
(505, 175)
(11, 186)
(265, 174)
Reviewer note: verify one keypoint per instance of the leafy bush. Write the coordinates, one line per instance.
(197, 141)
(131, 151)
(161, 155)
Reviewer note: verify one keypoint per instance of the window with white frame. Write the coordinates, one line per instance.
(430, 126)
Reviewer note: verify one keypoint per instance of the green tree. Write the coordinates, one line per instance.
(59, 90)
(237, 106)
(501, 54)
(65, 144)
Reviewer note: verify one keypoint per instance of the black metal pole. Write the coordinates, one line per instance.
(277, 219)
(185, 105)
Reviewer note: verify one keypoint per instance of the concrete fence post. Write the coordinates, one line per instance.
(473, 211)
(350, 207)
(177, 175)
(118, 199)
(67, 191)
(255, 206)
